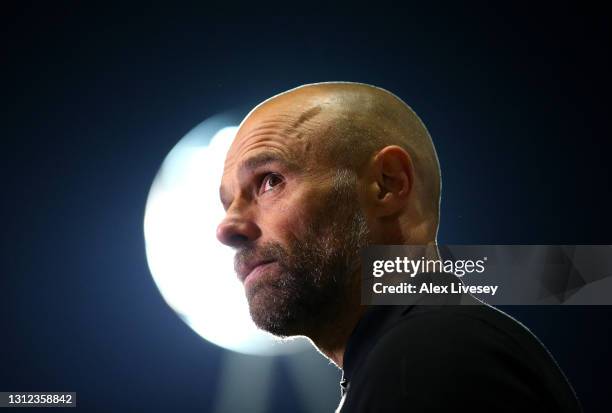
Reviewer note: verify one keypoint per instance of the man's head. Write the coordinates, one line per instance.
(313, 175)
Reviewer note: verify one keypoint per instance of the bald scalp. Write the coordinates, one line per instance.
(346, 124)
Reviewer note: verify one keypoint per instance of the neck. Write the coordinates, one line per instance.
(332, 340)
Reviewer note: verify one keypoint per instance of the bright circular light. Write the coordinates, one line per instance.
(192, 270)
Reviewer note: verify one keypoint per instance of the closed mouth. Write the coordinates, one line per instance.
(249, 269)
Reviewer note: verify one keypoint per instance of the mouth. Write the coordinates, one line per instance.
(252, 269)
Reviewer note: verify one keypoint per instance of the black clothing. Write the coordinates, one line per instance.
(425, 358)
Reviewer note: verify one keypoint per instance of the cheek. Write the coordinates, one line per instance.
(281, 222)
(287, 220)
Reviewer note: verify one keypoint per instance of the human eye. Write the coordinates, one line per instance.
(269, 182)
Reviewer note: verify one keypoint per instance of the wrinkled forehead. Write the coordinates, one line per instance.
(288, 130)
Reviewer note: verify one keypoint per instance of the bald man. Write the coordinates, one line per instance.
(321, 171)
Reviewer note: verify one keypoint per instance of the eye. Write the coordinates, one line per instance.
(270, 181)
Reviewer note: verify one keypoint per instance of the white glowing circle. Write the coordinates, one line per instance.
(192, 270)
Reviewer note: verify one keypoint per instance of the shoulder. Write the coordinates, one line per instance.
(466, 341)
(453, 356)
(471, 331)
(450, 330)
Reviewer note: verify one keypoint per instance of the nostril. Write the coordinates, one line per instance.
(237, 240)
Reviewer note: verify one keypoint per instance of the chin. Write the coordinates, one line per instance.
(273, 311)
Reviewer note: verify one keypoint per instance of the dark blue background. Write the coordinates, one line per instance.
(516, 98)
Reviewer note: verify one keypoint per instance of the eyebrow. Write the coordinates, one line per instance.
(262, 159)
(257, 161)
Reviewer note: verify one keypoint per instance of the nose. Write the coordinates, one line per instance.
(236, 231)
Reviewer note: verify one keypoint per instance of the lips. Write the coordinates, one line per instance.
(245, 269)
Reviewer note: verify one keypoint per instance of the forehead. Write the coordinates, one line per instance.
(287, 131)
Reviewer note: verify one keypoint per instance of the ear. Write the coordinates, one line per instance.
(391, 179)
